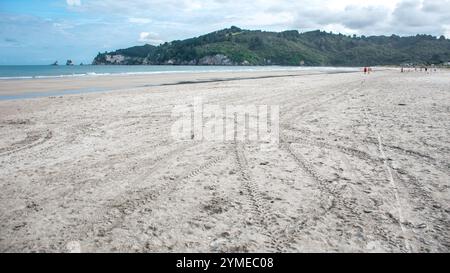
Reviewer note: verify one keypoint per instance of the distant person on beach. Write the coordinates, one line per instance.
(365, 70)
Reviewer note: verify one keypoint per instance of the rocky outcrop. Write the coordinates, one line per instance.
(119, 59)
(115, 59)
(218, 59)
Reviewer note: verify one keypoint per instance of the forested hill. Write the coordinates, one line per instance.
(235, 46)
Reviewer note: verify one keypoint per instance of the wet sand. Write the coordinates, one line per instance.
(86, 84)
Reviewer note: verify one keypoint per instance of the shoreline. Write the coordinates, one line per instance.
(48, 87)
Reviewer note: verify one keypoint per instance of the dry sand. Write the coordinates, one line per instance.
(363, 166)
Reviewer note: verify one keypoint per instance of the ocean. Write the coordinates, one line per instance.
(47, 71)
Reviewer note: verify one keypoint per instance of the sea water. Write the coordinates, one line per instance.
(47, 71)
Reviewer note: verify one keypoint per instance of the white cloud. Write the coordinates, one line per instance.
(338, 28)
(262, 19)
(180, 19)
(73, 3)
(150, 38)
(447, 31)
(140, 21)
(192, 5)
(369, 17)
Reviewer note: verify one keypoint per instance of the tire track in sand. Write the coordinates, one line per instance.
(132, 197)
(348, 214)
(334, 196)
(33, 139)
(138, 201)
(378, 230)
(268, 222)
(390, 176)
(416, 191)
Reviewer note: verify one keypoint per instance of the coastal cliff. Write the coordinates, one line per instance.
(235, 46)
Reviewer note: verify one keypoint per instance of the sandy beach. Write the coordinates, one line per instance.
(363, 165)
(11, 87)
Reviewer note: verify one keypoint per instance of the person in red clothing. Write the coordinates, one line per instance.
(365, 70)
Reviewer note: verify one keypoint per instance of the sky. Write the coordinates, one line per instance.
(41, 32)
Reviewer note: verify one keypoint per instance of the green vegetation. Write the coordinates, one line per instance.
(245, 47)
